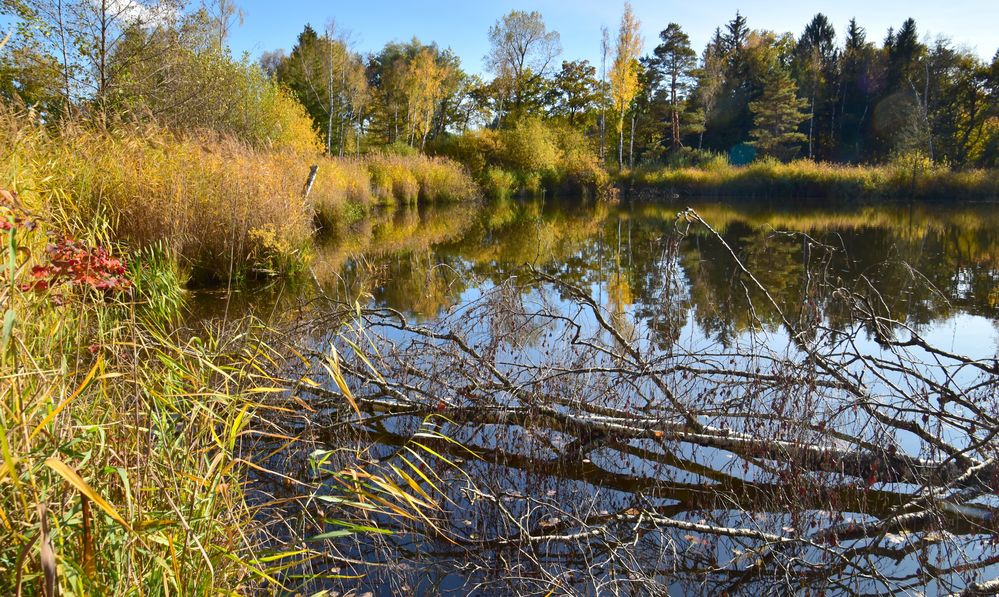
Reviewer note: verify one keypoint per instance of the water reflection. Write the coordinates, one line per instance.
(928, 263)
(665, 287)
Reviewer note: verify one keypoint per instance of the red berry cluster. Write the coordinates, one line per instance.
(72, 261)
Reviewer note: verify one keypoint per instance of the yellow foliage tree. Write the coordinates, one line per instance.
(424, 87)
(624, 71)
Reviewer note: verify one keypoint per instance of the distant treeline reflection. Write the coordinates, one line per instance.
(928, 262)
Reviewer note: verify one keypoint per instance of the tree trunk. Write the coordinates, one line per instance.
(603, 135)
(310, 181)
(65, 55)
(811, 126)
(620, 142)
(631, 145)
(674, 113)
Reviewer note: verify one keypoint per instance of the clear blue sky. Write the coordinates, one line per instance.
(463, 25)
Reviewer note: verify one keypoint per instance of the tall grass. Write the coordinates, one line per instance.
(904, 178)
(125, 446)
(119, 469)
(221, 206)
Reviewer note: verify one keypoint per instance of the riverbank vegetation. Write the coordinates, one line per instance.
(911, 177)
(537, 121)
(223, 207)
(118, 438)
(146, 158)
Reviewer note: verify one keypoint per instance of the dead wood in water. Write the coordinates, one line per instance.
(613, 455)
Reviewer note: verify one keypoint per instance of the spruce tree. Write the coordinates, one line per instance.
(777, 115)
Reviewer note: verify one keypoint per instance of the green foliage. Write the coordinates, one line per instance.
(574, 93)
(498, 183)
(158, 279)
(330, 81)
(528, 157)
(530, 146)
(522, 50)
(776, 116)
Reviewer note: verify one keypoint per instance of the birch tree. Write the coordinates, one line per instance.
(624, 72)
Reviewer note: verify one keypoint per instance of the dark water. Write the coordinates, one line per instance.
(672, 288)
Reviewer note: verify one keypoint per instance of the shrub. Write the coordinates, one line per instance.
(530, 147)
(391, 179)
(530, 156)
(498, 183)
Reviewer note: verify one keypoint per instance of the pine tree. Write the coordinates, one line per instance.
(777, 116)
(674, 62)
(815, 60)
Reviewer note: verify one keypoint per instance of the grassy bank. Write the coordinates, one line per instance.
(118, 440)
(127, 442)
(911, 178)
(223, 207)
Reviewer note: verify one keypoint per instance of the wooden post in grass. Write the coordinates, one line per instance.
(310, 181)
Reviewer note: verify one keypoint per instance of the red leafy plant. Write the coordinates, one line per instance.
(72, 261)
(67, 260)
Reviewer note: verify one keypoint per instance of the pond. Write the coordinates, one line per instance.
(587, 398)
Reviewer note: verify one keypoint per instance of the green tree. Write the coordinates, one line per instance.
(32, 78)
(858, 80)
(574, 93)
(675, 61)
(815, 64)
(777, 116)
(80, 38)
(331, 81)
(521, 52)
(710, 80)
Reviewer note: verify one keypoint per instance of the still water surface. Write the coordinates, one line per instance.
(936, 266)
(932, 267)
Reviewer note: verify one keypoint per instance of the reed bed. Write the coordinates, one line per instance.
(225, 208)
(412, 178)
(119, 470)
(127, 443)
(907, 178)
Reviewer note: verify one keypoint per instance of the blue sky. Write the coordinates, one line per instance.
(463, 26)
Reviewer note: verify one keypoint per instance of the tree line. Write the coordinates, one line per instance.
(750, 92)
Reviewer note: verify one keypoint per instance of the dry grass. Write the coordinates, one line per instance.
(907, 178)
(409, 178)
(223, 207)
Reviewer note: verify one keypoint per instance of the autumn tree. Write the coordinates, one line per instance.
(521, 52)
(425, 87)
(330, 80)
(624, 72)
(604, 96)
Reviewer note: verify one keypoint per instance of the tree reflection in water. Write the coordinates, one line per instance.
(657, 407)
